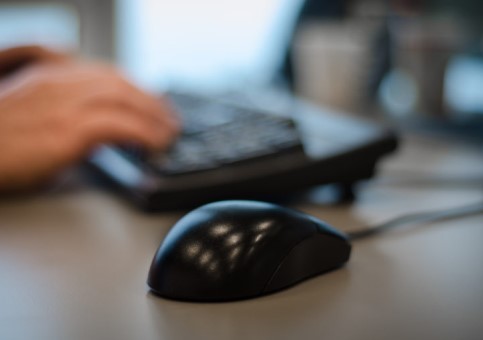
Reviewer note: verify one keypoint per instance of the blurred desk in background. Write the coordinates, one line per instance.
(73, 265)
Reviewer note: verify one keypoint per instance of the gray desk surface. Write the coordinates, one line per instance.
(73, 265)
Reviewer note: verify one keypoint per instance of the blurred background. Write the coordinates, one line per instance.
(418, 63)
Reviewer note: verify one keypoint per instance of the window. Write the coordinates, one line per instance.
(209, 43)
(53, 25)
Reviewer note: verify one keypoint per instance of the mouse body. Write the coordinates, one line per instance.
(233, 250)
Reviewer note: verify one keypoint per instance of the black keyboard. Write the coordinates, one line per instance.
(217, 134)
(241, 147)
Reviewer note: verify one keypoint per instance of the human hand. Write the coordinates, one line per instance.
(52, 116)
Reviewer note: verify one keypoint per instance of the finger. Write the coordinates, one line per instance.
(15, 58)
(157, 107)
(94, 81)
(40, 53)
(170, 113)
(128, 109)
(110, 125)
(103, 85)
(117, 91)
(120, 89)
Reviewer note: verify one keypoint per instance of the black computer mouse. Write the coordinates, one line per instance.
(232, 250)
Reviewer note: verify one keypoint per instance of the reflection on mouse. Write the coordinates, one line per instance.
(232, 250)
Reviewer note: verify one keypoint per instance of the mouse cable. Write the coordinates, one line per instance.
(423, 181)
(416, 218)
